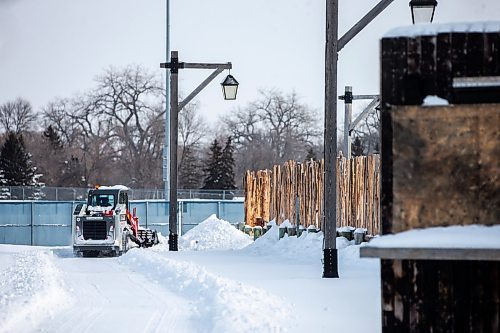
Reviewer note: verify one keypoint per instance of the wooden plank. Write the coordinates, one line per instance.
(417, 253)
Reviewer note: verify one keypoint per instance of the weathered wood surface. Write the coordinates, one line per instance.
(440, 296)
(294, 191)
(416, 253)
(445, 166)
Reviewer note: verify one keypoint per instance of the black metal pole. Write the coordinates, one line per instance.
(174, 128)
(330, 257)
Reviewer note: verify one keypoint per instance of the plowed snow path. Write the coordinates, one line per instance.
(110, 297)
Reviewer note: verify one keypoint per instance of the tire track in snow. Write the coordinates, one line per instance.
(220, 304)
(109, 296)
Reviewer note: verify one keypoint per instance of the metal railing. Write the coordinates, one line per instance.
(77, 194)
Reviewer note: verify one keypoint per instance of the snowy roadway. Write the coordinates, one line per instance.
(267, 286)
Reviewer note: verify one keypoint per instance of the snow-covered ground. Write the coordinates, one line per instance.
(219, 281)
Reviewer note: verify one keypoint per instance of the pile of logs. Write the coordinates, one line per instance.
(294, 191)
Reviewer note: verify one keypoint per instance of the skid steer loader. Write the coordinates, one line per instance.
(104, 224)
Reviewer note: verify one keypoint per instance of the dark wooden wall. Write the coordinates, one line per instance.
(440, 166)
(413, 68)
(440, 296)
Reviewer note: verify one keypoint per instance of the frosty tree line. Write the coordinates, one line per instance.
(114, 134)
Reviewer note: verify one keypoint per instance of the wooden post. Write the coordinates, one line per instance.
(330, 263)
(174, 105)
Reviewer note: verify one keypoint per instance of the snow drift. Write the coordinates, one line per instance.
(219, 304)
(30, 290)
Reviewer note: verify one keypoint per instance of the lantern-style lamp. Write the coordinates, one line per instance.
(229, 87)
(422, 11)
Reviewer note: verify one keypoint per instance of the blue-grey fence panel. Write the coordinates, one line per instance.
(195, 212)
(17, 235)
(152, 214)
(49, 222)
(52, 223)
(15, 222)
(232, 211)
(158, 216)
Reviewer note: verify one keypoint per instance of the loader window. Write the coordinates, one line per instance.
(102, 200)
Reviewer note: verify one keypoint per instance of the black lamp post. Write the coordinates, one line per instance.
(229, 87)
(422, 11)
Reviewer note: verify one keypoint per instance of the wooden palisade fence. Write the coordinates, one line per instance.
(294, 191)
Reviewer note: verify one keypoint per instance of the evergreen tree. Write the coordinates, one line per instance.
(15, 162)
(4, 190)
(71, 173)
(357, 147)
(213, 169)
(189, 173)
(227, 163)
(53, 138)
(311, 155)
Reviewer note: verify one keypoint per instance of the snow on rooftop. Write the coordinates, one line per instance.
(114, 187)
(430, 29)
(470, 237)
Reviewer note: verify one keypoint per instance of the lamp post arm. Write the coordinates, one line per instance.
(207, 66)
(379, 8)
(202, 85)
(365, 112)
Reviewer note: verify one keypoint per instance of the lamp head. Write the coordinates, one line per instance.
(230, 87)
(422, 11)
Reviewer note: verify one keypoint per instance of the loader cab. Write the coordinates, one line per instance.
(109, 199)
(103, 198)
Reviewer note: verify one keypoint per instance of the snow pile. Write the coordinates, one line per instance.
(30, 290)
(219, 304)
(304, 248)
(214, 234)
(470, 236)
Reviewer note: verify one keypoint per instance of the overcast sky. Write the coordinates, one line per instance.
(55, 48)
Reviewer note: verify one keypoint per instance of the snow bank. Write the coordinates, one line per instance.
(30, 290)
(309, 245)
(219, 304)
(470, 236)
(213, 234)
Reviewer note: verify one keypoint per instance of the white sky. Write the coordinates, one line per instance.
(52, 48)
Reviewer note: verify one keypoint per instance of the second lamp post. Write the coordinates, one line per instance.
(229, 88)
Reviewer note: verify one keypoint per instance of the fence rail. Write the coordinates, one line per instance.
(294, 191)
(75, 194)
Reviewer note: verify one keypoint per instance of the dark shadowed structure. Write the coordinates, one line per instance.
(440, 167)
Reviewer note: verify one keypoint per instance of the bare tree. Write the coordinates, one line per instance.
(116, 128)
(17, 116)
(289, 122)
(192, 129)
(271, 130)
(126, 108)
(368, 132)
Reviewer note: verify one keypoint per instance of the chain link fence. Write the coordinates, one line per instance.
(79, 194)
